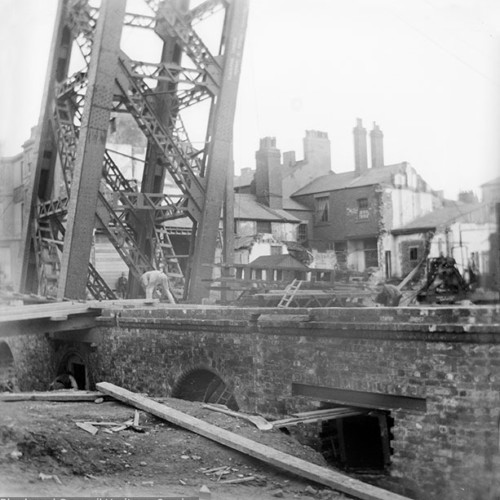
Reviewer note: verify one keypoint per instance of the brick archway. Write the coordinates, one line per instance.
(204, 384)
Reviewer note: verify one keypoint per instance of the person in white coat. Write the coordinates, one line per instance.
(151, 280)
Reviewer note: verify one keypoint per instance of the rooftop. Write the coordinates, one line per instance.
(345, 180)
(464, 212)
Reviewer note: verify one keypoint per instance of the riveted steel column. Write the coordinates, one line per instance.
(219, 166)
(44, 150)
(90, 152)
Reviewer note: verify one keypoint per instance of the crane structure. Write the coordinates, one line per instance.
(76, 185)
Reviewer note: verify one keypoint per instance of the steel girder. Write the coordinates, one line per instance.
(74, 124)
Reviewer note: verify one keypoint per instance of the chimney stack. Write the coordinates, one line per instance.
(360, 149)
(317, 152)
(268, 183)
(377, 146)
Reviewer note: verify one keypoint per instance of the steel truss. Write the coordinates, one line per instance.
(77, 187)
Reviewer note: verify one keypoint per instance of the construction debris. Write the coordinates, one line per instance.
(62, 395)
(87, 427)
(260, 422)
(46, 477)
(311, 417)
(284, 461)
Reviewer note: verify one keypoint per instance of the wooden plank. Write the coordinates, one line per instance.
(87, 427)
(318, 418)
(238, 480)
(325, 411)
(63, 396)
(289, 463)
(259, 422)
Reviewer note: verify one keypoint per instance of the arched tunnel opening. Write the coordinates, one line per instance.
(74, 365)
(204, 385)
(7, 369)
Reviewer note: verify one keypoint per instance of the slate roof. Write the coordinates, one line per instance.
(277, 262)
(442, 217)
(247, 207)
(344, 180)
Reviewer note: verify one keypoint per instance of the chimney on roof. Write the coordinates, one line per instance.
(377, 146)
(360, 149)
(268, 182)
(317, 152)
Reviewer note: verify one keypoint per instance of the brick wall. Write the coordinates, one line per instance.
(448, 356)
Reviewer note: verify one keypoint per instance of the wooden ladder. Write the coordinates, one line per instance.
(290, 292)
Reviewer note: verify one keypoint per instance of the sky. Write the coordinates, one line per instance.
(426, 71)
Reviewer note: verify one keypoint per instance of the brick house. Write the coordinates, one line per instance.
(347, 217)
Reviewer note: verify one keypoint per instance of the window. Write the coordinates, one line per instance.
(413, 253)
(322, 209)
(363, 212)
(263, 227)
(276, 250)
(302, 232)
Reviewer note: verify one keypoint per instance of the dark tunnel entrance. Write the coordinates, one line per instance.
(358, 443)
(7, 369)
(74, 365)
(204, 385)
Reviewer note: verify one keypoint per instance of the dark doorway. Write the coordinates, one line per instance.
(7, 370)
(75, 365)
(358, 443)
(80, 374)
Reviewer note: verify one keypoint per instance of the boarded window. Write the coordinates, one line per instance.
(322, 209)
(363, 212)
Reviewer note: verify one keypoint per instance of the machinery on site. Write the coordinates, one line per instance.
(443, 284)
(77, 185)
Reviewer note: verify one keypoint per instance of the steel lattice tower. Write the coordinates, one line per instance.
(76, 186)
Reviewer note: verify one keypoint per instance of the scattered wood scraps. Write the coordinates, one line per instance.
(111, 427)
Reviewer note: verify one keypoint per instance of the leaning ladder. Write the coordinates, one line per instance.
(290, 292)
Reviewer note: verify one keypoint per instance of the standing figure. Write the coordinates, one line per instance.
(121, 286)
(150, 280)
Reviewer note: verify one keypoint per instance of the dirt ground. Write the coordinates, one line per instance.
(44, 453)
